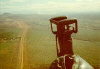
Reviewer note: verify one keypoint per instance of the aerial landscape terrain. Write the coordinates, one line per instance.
(26, 40)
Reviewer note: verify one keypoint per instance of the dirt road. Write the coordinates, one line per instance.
(22, 50)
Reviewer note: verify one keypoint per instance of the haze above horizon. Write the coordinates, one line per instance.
(49, 7)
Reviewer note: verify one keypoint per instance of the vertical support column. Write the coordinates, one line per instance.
(64, 40)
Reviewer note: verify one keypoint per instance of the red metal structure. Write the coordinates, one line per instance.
(63, 34)
(66, 59)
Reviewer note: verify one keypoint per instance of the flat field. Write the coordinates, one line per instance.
(9, 43)
(26, 41)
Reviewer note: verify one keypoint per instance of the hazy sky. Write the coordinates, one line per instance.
(49, 6)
